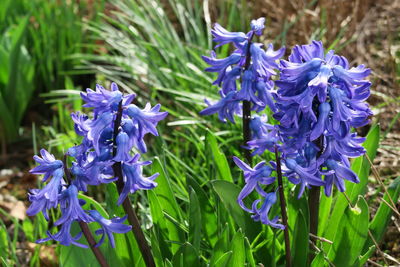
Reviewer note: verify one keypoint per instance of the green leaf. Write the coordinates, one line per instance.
(239, 254)
(324, 211)
(364, 258)
(351, 235)
(319, 260)
(249, 253)
(208, 217)
(221, 247)
(29, 229)
(96, 205)
(3, 242)
(186, 256)
(160, 224)
(77, 256)
(224, 259)
(194, 221)
(168, 204)
(300, 240)
(381, 219)
(361, 167)
(219, 158)
(228, 193)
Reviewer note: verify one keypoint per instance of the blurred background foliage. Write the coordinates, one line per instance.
(51, 50)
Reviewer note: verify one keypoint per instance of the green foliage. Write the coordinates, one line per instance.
(16, 77)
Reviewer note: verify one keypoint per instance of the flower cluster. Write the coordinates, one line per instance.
(319, 100)
(250, 64)
(117, 127)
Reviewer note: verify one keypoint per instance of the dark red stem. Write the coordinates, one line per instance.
(283, 208)
(126, 204)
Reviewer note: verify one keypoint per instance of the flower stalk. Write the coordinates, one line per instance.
(246, 108)
(283, 208)
(126, 204)
(84, 227)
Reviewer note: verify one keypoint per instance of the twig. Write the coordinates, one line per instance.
(283, 208)
(317, 249)
(378, 177)
(126, 204)
(375, 263)
(321, 238)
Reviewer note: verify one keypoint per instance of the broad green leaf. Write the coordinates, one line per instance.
(351, 235)
(168, 203)
(194, 221)
(221, 247)
(219, 158)
(160, 224)
(237, 247)
(224, 259)
(186, 256)
(381, 219)
(298, 220)
(155, 249)
(324, 211)
(300, 241)
(228, 193)
(90, 201)
(77, 256)
(207, 209)
(319, 260)
(361, 167)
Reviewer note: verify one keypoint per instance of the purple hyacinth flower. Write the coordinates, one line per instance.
(336, 177)
(260, 174)
(97, 127)
(227, 107)
(134, 179)
(320, 126)
(102, 100)
(146, 119)
(261, 214)
(264, 61)
(64, 236)
(228, 83)
(81, 125)
(258, 25)
(123, 147)
(108, 227)
(47, 197)
(71, 207)
(305, 176)
(134, 139)
(222, 36)
(47, 164)
(221, 65)
(264, 94)
(248, 88)
(264, 136)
